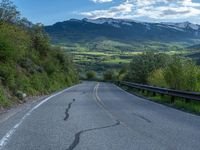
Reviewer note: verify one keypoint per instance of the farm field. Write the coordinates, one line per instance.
(102, 60)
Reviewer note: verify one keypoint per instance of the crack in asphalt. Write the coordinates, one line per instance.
(78, 134)
(67, 110)
(142, 117)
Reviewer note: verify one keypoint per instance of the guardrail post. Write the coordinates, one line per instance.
(172, 99)
(187, 100)
(143, 91)
(147, 93)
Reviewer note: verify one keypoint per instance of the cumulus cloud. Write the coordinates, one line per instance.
(113, 12)
(101, 1)
(189, 3)
(152, 9)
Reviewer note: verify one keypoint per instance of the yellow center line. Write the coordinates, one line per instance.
(104, 107)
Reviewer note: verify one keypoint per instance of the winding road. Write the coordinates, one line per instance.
(98, 116)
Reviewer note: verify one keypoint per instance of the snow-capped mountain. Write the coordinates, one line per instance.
(123, 30)
(108, 21)
(184, 25)
(118, 22)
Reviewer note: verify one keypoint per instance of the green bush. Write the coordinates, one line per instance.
(110, 75)
(179, 73)
(156, 78)
(142, 65)
(182, 74)
(3, 100)
(91, 75)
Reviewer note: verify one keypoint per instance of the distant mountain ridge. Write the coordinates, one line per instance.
(87, 30)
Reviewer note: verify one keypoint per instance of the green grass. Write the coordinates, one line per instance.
(181, 104)
(100, 61)
(4, 102)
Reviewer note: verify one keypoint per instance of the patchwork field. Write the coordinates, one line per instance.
(103, 59)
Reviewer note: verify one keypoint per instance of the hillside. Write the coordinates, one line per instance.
(29, 65)
(123, 31)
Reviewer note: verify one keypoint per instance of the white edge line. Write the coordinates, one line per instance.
(125, 91)
(7, 136)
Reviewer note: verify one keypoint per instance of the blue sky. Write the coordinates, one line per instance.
(51, 11)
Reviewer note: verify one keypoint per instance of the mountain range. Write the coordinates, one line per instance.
(123, 30)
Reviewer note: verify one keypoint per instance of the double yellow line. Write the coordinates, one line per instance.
(104, 107)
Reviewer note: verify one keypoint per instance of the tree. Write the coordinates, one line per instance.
(91, 75)
(182, 74)
(40, 39)
(8, 12)
(142, 65)
(122, 73)
(156, 78)
(111, 75)
(179, 73)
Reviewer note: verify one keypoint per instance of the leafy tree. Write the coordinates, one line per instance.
(110, 75)
(122, 73)
(8, 12)
(91, 75)
(179, 73)
(40, 39)
(14, 42)
(156, 78)
(182, 74)
(142, 65)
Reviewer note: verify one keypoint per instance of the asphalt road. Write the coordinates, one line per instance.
(99, 116)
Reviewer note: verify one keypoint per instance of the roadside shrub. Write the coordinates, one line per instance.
(122, 73)
(5, 50)
(110, 75)
(40, 39)
(142, 65)
(3, 100)
(91, 75)
(50, 67)
(182, 74)
(156, 78)
(30, 66)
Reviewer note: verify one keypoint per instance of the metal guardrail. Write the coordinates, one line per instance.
(188, 96)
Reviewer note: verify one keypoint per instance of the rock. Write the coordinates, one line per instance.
(21, 95)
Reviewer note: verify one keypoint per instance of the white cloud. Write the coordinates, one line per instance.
(189, 3)
(101, 1)
(113, 12)
(167, 12)
(151, 9)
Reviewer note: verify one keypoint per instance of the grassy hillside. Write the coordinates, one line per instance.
(28, 64)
